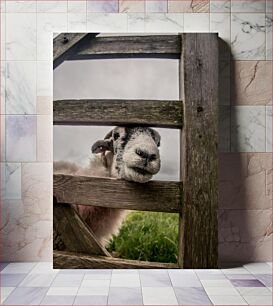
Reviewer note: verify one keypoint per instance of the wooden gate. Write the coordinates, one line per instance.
(195, 197)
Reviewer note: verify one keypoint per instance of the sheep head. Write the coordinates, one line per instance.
(133, 151)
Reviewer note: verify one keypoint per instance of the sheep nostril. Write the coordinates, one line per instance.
(152, 157)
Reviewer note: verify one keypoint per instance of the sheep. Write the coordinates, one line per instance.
(129, 153)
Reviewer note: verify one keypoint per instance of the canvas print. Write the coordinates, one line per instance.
(135, 143)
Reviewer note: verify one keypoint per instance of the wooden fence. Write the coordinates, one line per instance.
(195, 197)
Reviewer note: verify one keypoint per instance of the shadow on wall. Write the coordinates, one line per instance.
(243, 191)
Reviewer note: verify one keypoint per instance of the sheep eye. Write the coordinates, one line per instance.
(116, 136)
(158, 144)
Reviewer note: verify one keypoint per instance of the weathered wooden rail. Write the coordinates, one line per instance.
(195, 114)
(67, 220)
(81, 261)
(167, 114)
(130, 45)
(115, 193)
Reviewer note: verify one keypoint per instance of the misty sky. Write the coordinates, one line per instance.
(115, 79)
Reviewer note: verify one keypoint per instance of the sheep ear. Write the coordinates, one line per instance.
(118, 129)
(101, 146)
(108, 135)
(156, 137)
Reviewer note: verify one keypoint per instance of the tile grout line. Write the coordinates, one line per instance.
(107, 300)
(176, 296)
(141, 288)
(78, 289)
(203, 286)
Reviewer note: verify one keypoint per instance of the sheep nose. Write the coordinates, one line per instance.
(145, 155)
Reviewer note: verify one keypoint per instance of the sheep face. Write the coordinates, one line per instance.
(135, 152)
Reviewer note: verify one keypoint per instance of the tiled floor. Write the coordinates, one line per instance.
(39, 284)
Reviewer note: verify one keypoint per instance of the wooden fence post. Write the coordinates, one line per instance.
(199, 92)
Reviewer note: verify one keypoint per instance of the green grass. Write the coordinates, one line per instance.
(147, 236)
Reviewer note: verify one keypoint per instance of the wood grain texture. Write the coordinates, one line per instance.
(118, 112)
(75, 234)
(65, 44)
(116, 193)
(199, 91)
(68, 260)
(130, 45)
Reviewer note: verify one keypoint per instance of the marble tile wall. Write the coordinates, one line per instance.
(245, 159)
